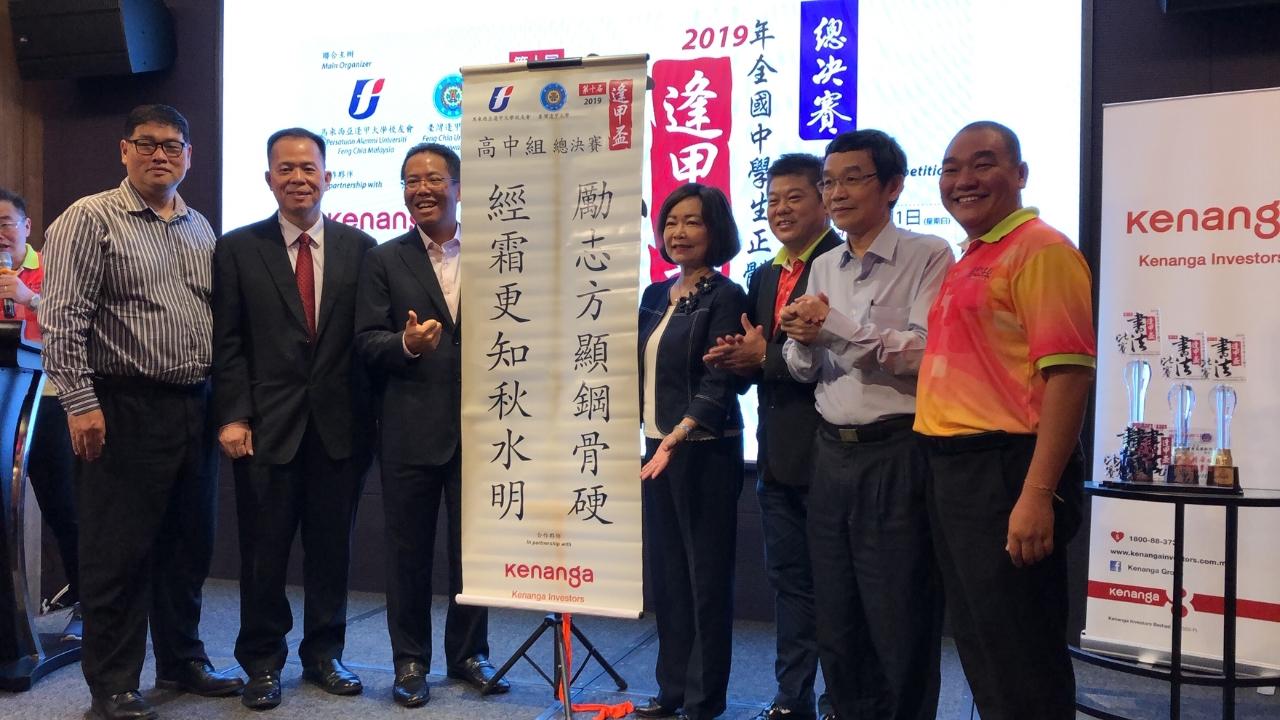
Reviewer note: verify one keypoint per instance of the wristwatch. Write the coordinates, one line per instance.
(34, 303)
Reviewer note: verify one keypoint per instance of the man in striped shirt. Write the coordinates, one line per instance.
(127, 327)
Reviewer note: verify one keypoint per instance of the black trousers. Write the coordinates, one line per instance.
(876, 585)
(690, 529)
(411, 500)
(319, 494)
(51, 470)
(1010, 623)
(146, 510)
(783, 519)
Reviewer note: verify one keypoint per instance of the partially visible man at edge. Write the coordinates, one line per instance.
(1002, 395)
(127, 327)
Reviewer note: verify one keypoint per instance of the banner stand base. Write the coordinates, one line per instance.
(560, 672)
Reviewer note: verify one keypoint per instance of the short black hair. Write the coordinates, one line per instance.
(1011, 142)
(160, 115)
(451, 159)
(14, 199)
(885, 152)
(295, 132)
(722, 231)
(810, 166)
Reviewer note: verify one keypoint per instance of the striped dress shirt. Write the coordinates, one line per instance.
(126, 293)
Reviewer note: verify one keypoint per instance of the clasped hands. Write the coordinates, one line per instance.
(801, 320)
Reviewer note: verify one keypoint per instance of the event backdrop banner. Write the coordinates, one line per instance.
(550, 400)
(735, 85)
(1190, 266)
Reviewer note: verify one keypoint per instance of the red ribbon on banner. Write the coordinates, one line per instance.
(1251, 609)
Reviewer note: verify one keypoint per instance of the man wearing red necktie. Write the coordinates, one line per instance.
(291, 402)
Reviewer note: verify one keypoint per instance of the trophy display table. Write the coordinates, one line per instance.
(25, 654)
(1176, 675)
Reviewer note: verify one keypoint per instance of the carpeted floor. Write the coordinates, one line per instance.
(630, 645)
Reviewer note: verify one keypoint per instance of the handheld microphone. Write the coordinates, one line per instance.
(6, 262)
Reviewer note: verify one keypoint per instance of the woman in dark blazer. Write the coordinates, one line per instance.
(692, 472)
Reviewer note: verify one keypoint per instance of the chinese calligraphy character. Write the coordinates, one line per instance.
(590, 258)
(759, 69)
(594, 304)
(828, 71)
(507, 254)
(508, 297)
(759, 172)
(590, 447)
(762, 33)
(694, 162)
(696, 94)
(594, 201)
(590, 503)
(507, 203)
(760, 134)
(504, 352)
(592, 352)
(762, 104)
(507, 402)
(827, 113)
(829, 34)
(591, 400)
(507, 448)
(507, 496)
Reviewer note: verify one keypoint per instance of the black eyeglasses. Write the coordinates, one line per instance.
(172, 148)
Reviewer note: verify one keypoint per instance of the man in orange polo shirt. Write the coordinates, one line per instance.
(1003, 387)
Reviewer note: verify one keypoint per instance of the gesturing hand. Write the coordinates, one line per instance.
(741, 354)
(421, 337)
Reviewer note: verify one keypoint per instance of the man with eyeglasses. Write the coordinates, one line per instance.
(291, 402)
(127, 325)
(408, 330)
(859, 333)
(1003, 388)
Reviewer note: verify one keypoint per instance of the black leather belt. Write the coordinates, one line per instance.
(871, 432)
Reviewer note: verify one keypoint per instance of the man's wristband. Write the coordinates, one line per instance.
(686, 427)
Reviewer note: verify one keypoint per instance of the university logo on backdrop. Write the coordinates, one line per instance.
(369, 99)
(501, 96)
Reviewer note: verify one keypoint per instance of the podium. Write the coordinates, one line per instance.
(25, 654)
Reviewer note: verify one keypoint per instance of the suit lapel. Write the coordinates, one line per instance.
(766, 298)
(276, 259)
(336, 262)
(414, 255)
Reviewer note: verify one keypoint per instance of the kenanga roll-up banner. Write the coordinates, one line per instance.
(551, 203)
(1189, 271)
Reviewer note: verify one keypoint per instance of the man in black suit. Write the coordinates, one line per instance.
(408, 333)
(291, 400)
(787, 424)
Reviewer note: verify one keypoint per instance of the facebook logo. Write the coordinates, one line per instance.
(1116, 566)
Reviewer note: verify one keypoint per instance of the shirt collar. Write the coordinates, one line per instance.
(134, 203)
(884, 246)
(1015, 220)
(454, 241)
(291, 231)
(32, 259)
(784, 256)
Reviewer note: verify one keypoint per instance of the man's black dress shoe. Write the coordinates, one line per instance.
(262, 691)
(477, 670)
(123, 706)
(654, 709)
(779, 712)
(333, 677)
(198, 677)
(410, 689)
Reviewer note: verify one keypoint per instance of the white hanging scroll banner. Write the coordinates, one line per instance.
(552, 159)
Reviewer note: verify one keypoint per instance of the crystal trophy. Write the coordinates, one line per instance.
(1222, 472)
(1137, 378)
(1183, 470)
